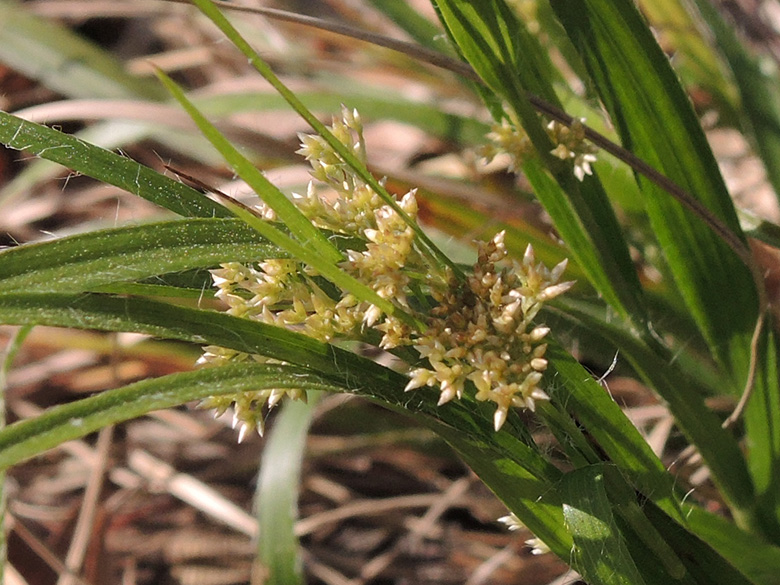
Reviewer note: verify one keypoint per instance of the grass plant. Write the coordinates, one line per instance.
(580, 101)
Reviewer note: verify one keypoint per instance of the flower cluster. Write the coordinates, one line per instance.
(479, 331)
(287, 293)
(482, 331)
(570, 144)
(513, 523)
(507, 139)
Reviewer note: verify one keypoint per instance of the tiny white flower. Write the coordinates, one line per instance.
(512, 522)
(537, 546)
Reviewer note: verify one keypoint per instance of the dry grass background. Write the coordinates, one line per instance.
(168, 498)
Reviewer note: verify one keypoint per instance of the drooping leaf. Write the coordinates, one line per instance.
(513, 466)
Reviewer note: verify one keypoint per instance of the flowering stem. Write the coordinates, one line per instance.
(464, 69)
(427, 246)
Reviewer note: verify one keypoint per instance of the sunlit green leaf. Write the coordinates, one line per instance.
(656, 122)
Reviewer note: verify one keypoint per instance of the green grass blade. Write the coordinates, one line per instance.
(111, 313)
(683, 33)
(605, 422)
(508, 460)
(758, 560)
(656, 122)
(684, 397)
(599, 553)
(703, 564)
(762, 426)
(108, 135)
(276, 500)
(86, 261)
(31, 437)
(301, 228)
(105, 166)
(532, 497)
(579, 220)
(7, 357)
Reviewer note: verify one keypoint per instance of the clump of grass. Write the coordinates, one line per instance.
(306, 277)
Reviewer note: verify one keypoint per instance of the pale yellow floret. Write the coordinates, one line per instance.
(478, 332)
(483, 333)
(570, 142)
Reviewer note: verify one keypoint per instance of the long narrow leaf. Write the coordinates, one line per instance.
(762, 423)
(212, 12)
(105, 166)
(758, 560)
(276, 500)
(758, 87)
(85, 261)
(684, 398)
(655, 121)
(603, 419)
(507, 461)
(467, 425)
(31, 437)
(110, 313)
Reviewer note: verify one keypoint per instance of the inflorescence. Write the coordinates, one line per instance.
(570, 144)
(479, 330)
(513, 523)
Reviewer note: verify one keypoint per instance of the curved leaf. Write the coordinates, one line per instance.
(106, 166)
(28, 438)
(513, 466)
